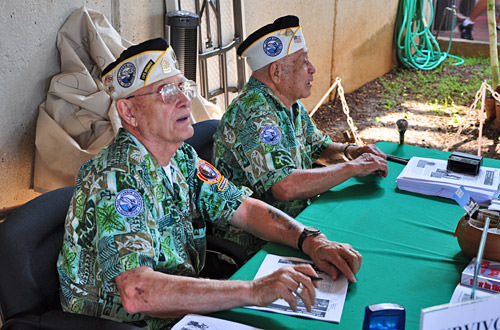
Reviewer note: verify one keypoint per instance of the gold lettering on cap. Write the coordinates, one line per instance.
(146, 70)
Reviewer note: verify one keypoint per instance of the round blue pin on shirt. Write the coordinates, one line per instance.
(270, 135)
(128, 203)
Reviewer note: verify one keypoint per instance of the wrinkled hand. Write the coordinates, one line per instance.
(355, 152)
(332, 257)
(368, 163)
(284, 283)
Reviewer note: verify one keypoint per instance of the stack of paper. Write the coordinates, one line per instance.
(430, 177)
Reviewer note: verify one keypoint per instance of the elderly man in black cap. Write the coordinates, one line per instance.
(131, 251)
(266, 140)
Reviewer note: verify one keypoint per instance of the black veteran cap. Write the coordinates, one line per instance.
(139, 66)
(272, 42)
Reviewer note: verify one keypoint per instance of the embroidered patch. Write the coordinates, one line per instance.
(165, 65)
(222, 185)
(207, 172)
(108, 80)
(108, 83)
(126, 75)
(176, 63)
(146, 69)
(128, 203)
(272, 46)
(286, 32)
(270, 135)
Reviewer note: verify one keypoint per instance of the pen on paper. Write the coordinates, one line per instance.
(315, 278)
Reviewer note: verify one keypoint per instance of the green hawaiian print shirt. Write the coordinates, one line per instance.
(125, 213)
(259, 142)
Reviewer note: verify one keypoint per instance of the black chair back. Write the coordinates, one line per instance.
(30, 241)
(202, 139)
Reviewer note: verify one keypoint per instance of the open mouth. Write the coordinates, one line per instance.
(183, 119)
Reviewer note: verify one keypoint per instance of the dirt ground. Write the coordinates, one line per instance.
(426, 127)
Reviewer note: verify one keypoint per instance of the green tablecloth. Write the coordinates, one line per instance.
(410, 256)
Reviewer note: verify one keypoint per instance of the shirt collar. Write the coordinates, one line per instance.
(254, 83)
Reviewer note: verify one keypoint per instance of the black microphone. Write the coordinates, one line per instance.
(402, 125)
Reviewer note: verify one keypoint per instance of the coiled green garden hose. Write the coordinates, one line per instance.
(415, 45)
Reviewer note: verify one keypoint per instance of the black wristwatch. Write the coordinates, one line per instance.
(308, 231)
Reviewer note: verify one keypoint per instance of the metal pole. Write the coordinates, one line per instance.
(222, 56)
(238, 34)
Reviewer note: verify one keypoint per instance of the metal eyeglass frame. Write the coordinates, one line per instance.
(169, 92)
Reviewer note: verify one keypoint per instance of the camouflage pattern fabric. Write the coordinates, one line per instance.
(259, 142)
(125, 213)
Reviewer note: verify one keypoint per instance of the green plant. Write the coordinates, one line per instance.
(442, 87)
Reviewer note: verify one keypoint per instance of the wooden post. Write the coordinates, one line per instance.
(492, 28)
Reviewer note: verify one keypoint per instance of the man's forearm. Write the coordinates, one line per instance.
(303, 184)
(267, 222)
(144, 290)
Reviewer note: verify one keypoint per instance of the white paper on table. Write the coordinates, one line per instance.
(330, 295)
(200, 322)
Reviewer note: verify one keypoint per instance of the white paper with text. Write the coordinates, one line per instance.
(330, 295)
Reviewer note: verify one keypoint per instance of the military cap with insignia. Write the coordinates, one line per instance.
(272, 42)
(138, 66)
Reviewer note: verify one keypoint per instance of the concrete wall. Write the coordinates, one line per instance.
(363, 41)
(350, 39)
(28, 31)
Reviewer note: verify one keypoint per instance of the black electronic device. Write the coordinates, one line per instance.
(464, 163)
(386, 316)
(398, 160)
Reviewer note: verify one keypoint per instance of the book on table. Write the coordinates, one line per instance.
(431, 177)
(488, 281)
(488, 278)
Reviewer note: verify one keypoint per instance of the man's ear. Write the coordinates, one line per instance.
(275, 72)
(125, 111)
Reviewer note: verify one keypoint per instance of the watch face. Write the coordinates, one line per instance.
(312, 230)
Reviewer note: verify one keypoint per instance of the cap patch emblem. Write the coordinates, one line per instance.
(174, 58)
(272, 46)
(297, 39)
(222, 185)
(146, 70)
(108, 83)
(108, 80)
(270, 135)
(128, 203)
(207, 172)
(126, 75)
(165, 65)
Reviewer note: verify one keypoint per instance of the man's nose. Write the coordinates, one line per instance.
(312, 68)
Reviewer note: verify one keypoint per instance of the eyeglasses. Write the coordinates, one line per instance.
(169, 92)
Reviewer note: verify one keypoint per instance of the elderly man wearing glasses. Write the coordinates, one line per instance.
(131, 251)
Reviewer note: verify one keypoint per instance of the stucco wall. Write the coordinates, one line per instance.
(350, 39)
(363, 41)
